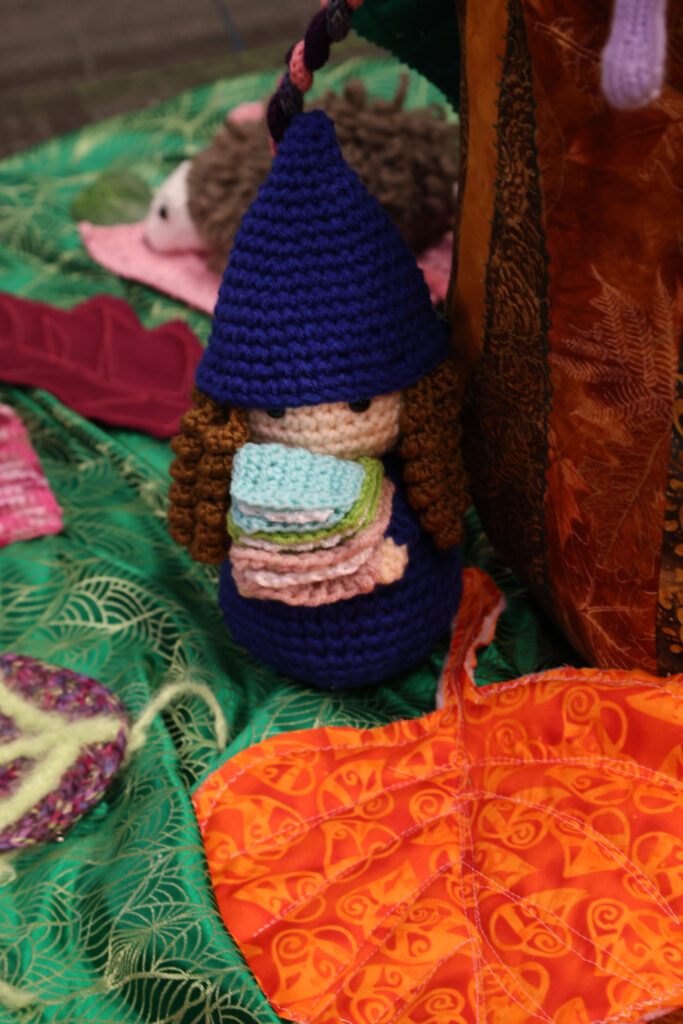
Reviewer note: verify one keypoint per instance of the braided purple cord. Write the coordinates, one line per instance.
(316, 42)
(338, 17)
(329, 25)
(283, 106)
(291, 99)
(276, 118)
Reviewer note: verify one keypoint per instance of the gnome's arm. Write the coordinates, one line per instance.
(210, 434)
(394, 560)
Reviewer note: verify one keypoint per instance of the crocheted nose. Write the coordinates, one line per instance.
(322, 300)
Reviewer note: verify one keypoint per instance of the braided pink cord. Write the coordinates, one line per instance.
(27, 505)
(298, 72)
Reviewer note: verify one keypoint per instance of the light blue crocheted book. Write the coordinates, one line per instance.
(272, 478)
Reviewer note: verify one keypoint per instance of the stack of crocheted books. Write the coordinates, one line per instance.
(306, 529)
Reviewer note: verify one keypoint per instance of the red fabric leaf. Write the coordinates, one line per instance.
(100, 361)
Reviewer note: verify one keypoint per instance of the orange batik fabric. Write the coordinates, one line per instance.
(515, 856)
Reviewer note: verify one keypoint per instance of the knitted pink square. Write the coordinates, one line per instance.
(27, 505)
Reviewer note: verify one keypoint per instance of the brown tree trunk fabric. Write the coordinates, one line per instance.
(676, 1017)
(567, 314)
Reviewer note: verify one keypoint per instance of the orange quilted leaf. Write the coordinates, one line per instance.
(514, 857)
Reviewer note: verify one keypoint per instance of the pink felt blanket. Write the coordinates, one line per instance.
(27, 505)
(122, 249)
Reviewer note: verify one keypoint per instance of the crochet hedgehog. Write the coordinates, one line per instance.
(320, 462)
(406, 158)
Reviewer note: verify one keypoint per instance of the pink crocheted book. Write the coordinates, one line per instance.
(27, 505)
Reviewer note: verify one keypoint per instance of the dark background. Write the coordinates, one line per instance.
(66, 63)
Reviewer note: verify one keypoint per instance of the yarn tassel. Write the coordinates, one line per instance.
(167, 695)
(13, 998)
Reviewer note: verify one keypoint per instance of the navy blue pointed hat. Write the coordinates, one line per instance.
(322, 300)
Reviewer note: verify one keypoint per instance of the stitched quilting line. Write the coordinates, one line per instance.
(481, 932)
(654, 1002)
(423, 981)
(526, 902)
(416, 827)
(480, 995)
(583, 827)
(591, 677)
(620, 768)
(350, 868)
(417, 891)
(406, 904)
(470, 797)
(480, 992)
(289, 832)
(226, 783)
(650, 1004)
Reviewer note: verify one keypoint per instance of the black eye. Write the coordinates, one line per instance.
(163, 212)
(360, 406)
(275, 414)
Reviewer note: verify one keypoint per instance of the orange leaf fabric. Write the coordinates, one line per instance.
(515, 856)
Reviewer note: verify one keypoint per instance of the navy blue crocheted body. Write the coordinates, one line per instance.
(365, 639)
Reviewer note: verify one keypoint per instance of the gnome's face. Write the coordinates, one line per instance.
(348, 430)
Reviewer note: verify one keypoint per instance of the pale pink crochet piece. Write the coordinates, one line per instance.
(303, 515)
(281, 580)
(311, 595)
(27, 505)
(121, 248)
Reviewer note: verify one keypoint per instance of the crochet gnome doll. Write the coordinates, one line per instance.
(320, 462)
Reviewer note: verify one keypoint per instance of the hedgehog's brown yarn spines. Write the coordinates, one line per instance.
(406, 158)
(431, 449)
(210, 434)
(223, 181)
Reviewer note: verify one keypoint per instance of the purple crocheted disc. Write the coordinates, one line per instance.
(61, 769)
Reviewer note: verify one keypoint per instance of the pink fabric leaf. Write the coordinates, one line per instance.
(28, 507)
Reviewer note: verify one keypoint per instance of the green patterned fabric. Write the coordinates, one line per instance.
(117, 924)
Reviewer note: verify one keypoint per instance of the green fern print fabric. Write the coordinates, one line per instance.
(117, 924)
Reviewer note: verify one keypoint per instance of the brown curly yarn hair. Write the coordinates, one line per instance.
(210, 434)
(408, 159)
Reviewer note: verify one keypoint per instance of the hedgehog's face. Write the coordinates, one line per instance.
(168, 225)
(345, 429)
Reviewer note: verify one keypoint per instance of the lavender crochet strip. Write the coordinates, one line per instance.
(633, 61)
